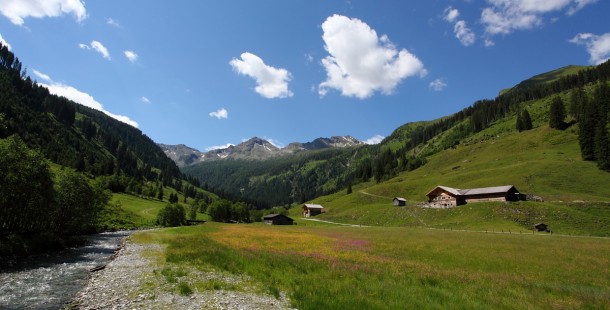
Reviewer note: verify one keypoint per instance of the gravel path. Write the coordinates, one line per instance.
(134, 281)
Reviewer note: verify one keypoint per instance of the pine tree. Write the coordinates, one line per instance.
(586, 131)
(557, 114)
(160, 193)
(526, 120)
(602, 147)
(519, 123)
(578, 100)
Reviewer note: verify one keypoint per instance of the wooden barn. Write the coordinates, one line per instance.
(312, 209)
(277, 219)
(447, 197)
(399, 201)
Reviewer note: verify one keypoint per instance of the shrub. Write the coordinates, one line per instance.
(171, 215)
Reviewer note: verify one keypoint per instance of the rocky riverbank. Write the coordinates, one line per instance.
(134, 280)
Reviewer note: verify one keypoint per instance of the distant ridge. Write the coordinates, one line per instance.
(253, 149)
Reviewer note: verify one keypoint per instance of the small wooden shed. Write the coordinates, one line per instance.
(312, 209)
(399, 202)
(277, 219)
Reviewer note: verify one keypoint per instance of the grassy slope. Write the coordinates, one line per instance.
(543, 162)
(549, 77)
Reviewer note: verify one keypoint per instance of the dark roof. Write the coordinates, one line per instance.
(272, 216)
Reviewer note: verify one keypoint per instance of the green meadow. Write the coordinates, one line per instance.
(333, 267)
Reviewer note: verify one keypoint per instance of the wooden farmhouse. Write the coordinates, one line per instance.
(311, 209)
(399, 202)
(447, 197)
(277, 219)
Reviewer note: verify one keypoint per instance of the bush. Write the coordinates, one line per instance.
(171, 215)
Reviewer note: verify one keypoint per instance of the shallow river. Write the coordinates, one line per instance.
(49, 281)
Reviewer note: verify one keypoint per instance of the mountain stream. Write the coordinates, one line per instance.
(50, 281)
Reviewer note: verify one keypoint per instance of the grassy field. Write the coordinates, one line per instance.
(127, 211)
(323, 267)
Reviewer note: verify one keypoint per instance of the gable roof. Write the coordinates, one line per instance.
(272, 216)
(487, 190)
(399, 199)
(451, 190)
(313, 206)
(474, 191)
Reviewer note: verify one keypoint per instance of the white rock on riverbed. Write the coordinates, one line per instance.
(131, 281)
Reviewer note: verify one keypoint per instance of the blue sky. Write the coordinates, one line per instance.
(212, 73)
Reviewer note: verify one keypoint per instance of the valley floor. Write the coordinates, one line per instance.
(316, 265)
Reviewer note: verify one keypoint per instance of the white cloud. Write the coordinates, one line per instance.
(506, 16)
(438, 85)
(113, 22)
(598, 46)
(211, 148)
(275, 142)
(145, 100)
(220, 114)
(451, 14)
(98, 47)
(41, 75)
(80, 97)
(4, 42)
(131, 55)
(270, 82)
(463, 33)
(376, 139)
(17, 10)
(360, 62)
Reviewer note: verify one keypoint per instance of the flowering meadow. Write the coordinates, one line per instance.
(328, 267)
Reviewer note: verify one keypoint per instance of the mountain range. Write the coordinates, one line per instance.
(253, 149)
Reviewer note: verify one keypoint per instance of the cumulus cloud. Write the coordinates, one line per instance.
(4, 42)
(360, 62)
(451, 14)
(598, 46)
(506, 16)
(464, 34)
(98, 47)
(80, 97)
(217, 147)
(376, 139)
(131, 55)
(17, 10)
(270, 82)
(438, 85)
(220, 114)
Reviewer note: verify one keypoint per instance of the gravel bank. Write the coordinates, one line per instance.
(133, 281)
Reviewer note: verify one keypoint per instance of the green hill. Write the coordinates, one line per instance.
(544, 162)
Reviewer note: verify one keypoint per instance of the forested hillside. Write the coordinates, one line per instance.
(73, 135)
(301, 178)
(61, 162)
